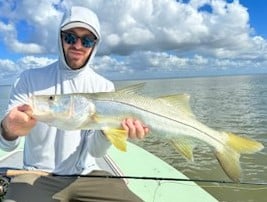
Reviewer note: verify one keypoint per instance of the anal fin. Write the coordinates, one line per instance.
(183, 147)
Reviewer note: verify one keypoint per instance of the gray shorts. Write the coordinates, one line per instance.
(36, 188)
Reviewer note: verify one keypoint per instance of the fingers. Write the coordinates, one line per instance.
(26, 109)
(135, 128)
(19, 121)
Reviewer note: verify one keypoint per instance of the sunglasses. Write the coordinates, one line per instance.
(71, 38)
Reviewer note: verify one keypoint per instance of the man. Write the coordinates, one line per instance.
(53, 150)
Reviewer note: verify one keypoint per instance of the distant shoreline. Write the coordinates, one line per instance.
(188, 77)
(174, 77)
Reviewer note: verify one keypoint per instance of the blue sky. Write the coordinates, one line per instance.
(258, 13)
(142, 38)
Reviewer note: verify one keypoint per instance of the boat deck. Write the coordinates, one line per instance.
(136, 162)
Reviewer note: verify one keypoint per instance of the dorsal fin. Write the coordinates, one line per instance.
(179, 101)
(133, 89)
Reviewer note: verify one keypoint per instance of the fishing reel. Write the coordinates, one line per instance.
(4, 182)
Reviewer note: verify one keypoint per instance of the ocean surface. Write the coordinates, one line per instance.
(229, 103)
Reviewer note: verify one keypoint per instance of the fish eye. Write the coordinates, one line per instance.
(51, 98)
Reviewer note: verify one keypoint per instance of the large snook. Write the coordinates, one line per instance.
(168, 116)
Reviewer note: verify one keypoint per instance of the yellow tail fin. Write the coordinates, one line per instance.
(243, 145)
(229, 161)
(117, 137)
(228, 157)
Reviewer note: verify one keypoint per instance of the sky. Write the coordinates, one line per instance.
(142, 38)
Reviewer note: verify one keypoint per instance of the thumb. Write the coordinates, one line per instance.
(26, 109)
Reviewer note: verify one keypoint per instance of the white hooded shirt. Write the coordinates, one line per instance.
(48, 148)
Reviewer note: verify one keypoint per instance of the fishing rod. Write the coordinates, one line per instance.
(5, 177)
(14, 172)
(163, 179)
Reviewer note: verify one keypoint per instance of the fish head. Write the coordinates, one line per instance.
(67, 111)
(48, 106)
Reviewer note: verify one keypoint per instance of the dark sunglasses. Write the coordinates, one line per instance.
(71, 38)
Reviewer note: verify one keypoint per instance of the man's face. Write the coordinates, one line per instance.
(76, 54)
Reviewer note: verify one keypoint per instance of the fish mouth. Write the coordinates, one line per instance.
(40, 110)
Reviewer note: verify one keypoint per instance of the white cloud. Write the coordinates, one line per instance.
(9, 67)
(29, 62)
(10, 39)
(143, 34)
(38, 20)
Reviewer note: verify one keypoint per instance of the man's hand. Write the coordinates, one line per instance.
(135, 128)
(18, 122)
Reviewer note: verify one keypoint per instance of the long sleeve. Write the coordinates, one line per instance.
(17, 97)
(8, 145)
(100, 142)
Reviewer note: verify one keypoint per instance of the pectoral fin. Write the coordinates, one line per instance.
(117, 137)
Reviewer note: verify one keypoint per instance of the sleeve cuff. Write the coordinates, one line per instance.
(7, 145)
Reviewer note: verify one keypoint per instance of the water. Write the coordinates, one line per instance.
(235, 103)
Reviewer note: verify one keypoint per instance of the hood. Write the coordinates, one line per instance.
(79, 17)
